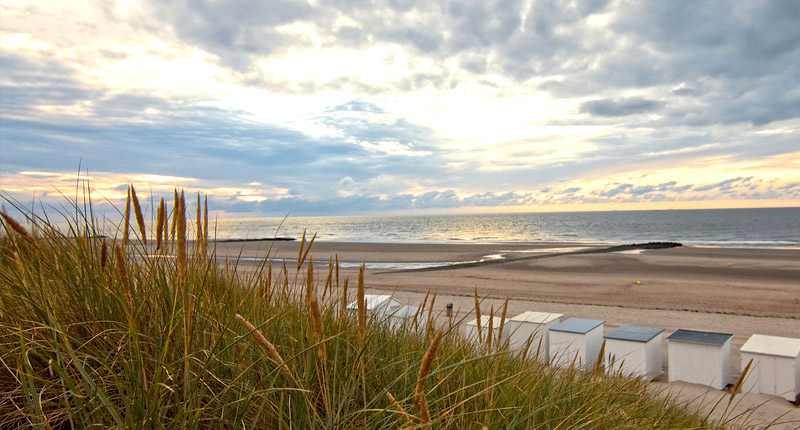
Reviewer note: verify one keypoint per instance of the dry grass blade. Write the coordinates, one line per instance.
(205, 225)
(502, 325)
(344, 296)
(268, 284)
(175, 209)
(305, 254)
(598, 365)
(139, 216)
(18, 229)
(329, 280)
(123, 273)
(362, 307)
(127, 223)
(424, 369)
(285, 286)
(165, 233)
(198, 224)
(315, 316)
(430, 311)
(407, 418)
(420, 310)
(262, 341)
(490, 330)
(300, 251)
(478, 315)
(183, 264)
(738, 385)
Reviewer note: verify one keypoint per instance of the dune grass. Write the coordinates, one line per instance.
(94, 334)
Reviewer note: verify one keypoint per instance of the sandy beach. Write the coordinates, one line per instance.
(728, 290)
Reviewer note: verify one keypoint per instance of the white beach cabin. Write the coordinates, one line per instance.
(634, 351)
(403, 318)
(776, 366)
(576, 340)
(700, 357)
(377, 303)
(533, 328)
(471, 330)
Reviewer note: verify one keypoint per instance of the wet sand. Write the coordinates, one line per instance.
(728, 290)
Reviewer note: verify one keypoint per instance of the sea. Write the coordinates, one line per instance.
(747, 228)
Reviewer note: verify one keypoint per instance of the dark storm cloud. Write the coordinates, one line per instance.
(621, 107)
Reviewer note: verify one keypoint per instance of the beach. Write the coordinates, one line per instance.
(741, 291)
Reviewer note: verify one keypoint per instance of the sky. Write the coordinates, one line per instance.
(347, 107)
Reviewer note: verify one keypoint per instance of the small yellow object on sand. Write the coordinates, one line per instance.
(638, 282)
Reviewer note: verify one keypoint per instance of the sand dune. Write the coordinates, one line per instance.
(738, 291)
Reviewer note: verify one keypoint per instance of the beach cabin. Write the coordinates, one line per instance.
(776, 366)
(403, 317)
(531, 328)
(700, 357)
(576, 340)
(634, 351)
(471, 329)
(377, 303)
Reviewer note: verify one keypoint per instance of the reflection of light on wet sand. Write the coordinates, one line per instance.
(400, 266)
(631, 251)
(371, 265)
(502, 255)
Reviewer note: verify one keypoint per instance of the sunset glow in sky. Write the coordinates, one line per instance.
(396, 106)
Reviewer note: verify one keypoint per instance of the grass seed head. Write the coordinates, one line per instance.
(18, 229)
(159, 223)
(199, 223)
(424, 369)
(181, 236)
(104, 255)
(265, 344)
(139, 216)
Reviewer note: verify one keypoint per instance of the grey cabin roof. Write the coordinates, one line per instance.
(577, 325)
(634, 333)
(705, 337)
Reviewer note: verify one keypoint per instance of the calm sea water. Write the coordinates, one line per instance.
(772, 227)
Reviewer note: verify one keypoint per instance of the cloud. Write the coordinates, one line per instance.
(621, 107)
(725, 185)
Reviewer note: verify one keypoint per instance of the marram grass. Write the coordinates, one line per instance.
(136, 339)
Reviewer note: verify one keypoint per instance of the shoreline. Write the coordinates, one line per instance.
(739, 281)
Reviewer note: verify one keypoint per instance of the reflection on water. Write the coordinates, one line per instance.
(770, 227)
